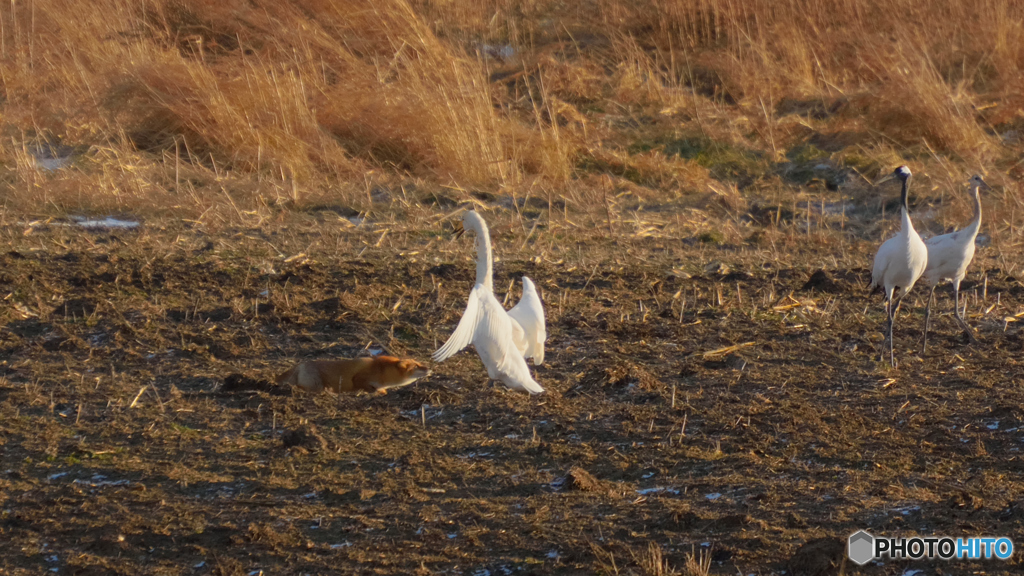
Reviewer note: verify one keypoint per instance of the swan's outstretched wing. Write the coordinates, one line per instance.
(495, 345)
(529, 314)
(464, 332)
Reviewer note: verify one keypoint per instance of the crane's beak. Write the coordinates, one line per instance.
(886, 178)
(459, 230)
(985, 186)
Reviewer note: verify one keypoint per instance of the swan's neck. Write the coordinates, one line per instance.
(484, 259)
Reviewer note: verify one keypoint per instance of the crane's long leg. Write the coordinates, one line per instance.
(892, 358)
(927, 318)
(956, 312)
(894, 307)
(887, 331)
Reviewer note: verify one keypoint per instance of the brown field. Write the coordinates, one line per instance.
(688, 183)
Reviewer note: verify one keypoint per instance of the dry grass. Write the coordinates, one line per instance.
(214, 109)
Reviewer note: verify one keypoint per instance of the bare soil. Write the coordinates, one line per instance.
(120, 453)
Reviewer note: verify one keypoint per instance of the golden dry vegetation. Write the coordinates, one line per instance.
(218, 109)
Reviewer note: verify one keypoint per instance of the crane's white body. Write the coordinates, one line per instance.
(900, 261)
(503, 340)
(949, 255)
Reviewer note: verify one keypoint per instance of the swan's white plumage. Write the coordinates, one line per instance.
(465, 331)
(487, 326)
(501, 338)
(529, 314)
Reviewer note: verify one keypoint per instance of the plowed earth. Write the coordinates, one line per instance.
(122, 453)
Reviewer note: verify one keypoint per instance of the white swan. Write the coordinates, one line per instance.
(949, 255)
(900, 261)
(502, 339)
(529, 315)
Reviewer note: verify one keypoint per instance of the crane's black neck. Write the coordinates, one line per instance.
(903, 194)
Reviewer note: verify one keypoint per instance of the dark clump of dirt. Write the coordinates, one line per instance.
(448, 272)
(621, 377)
(580, 479)
(819, 557)
(339, 209)
(241, 383)
(76, 307)
(822, 281)
(305, 438)
(732, 361)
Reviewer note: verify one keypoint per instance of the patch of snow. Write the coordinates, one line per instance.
(99, 480)
(646, 491)
(52, 158)
(501, 52)
(57, 475)
(713, 496)
(107, 222)
(908, 510)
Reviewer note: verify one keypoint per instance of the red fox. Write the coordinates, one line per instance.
(349, 376)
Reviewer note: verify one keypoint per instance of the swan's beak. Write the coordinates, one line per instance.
(459, 230)
(886, 178)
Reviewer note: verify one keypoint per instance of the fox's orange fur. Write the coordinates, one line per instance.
(351, 375)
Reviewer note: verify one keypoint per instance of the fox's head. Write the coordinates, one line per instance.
(413, 369)
(402, 371)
